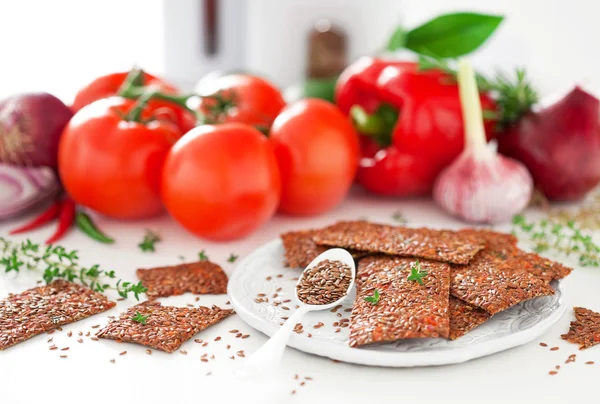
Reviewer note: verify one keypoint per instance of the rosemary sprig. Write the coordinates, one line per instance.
(58, 263)
(416, 273)
(514, 96)
(547, 235)
(149, 242)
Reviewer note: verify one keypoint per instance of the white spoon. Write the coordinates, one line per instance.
(269, 355)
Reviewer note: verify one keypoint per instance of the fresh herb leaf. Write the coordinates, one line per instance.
(374, 299)
(149, 242)
(450, 35)
(232, 257)
(399, 217)
(568, 239)
(514, 96)
(55, 262)
(416, 273)
(202, 256)
(139, 318)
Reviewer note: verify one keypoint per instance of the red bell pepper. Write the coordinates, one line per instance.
(410, 120)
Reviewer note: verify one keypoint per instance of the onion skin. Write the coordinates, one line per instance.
(30, 128)
(23, 188)
(560, 145)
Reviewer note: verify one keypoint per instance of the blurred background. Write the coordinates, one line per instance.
(57, 45)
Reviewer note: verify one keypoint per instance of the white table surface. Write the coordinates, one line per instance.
(30, 373)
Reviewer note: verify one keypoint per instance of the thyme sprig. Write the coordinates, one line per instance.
(416, 273)
(374, 299)
(568, 239)
(139, 318)
(58, 263)
(148, 244)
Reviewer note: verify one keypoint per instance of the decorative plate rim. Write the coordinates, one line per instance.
(387, 358)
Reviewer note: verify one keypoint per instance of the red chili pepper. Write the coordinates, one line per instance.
(66, 218)
(49, 214)
(411, 123)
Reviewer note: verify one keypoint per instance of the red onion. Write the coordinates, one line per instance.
(560, 145)
(30, 127)
(480, 185)
(21, 188)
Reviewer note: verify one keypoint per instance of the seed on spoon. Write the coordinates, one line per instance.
(325, 283)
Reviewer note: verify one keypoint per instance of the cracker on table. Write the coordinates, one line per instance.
(585, 330)
(464, 317)
(202, 277)
(486, 283)
(405, 309)
(438, 245)
(44, 308)
(166, 327)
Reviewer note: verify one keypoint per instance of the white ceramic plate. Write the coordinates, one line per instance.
(263, 272)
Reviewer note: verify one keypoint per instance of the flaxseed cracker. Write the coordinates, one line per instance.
(300, 248)
(202, 277)
(504, 246)
(405, 308)
(585, 330)
(488, 284)
(166, 327)
(439, 245)
(44, 308)
(464, 317)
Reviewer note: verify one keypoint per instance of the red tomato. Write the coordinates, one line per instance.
(317, 151)
(109, 85)
(111, 165)
(221, 182)
(252, 100)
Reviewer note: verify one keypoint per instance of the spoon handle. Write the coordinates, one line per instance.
(269, 355)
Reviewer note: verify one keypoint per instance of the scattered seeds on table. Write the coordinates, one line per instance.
(217, 338)
(80, 340)
(65, 349)
(589, 362)
(553, 372)
(149, 351)
(554, 348)
(123, 353)
(543, 344)
(167, 327)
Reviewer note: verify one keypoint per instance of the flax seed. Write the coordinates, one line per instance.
(309, 335)
(552, 372)
(285, 318)
(286, 301)
(123, 353)
(65, 349)
(217, 338)
(63, 356)
(543, 344)
(50, 339)
(53, 348)
(278, 289)
(589, 363)
(94, 339)
(234, 331)
(205, 344)
(183, 352)
(149, 351)
(197, 299)
(96, 326)
(269, 278)
(198, 341)
(285, 307)
(293, 392)
(554, 348)
(307, 378)
(80, 340)
(296, 377)
(228, 346)
(245, 336)
(112, 361)
(204, 359)
(302, 383)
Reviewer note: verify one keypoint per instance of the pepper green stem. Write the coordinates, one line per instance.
(378, 125)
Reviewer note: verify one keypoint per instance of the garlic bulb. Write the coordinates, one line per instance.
(481, 186)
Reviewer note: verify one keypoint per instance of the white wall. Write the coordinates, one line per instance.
(555, 39)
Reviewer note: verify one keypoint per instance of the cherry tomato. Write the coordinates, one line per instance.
(112, 165)
(221, 182)
(109, 85)
(240, 98)
(317, 151)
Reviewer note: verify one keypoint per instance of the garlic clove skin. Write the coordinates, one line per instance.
(484, 189)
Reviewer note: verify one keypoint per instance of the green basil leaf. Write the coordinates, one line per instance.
(398, 39)
(452, 35)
